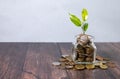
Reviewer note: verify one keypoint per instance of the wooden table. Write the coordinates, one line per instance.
(34, 61)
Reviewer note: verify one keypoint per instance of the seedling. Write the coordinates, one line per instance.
(80, 23)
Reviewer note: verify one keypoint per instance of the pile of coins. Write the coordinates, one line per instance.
(84, 50)
(66, 62)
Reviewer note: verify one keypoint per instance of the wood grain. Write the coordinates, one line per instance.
(34, 61)
(12, 57)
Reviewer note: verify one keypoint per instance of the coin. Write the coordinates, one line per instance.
(101, 63)
(66, 63)
(80, 66)
(89, 50)
(80, 59)
(111, 64)
(90, 66)
(56, 63)
(97, 64)
(62, 65)
(106, 59)
(103, 66)
(64, 56)
(69, 67)
(69, 58)
(71, 63)
(89, 59)
(79, 47)
(62, 60)
(99, 58)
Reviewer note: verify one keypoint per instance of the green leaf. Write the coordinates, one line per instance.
(75, 20)
(85, 27)
(84, 14)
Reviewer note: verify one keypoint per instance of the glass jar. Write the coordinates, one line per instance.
(84, 49)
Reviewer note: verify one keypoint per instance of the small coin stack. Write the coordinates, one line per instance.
(66, 62)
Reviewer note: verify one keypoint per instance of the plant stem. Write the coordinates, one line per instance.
(83, 32)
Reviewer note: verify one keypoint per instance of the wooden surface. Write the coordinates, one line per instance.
(34, 61)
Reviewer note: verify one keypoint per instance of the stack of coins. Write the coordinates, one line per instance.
(84, 49)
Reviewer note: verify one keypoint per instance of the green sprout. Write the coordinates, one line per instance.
(80, 23)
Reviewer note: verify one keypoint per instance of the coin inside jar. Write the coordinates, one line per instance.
(89, 50)
(80, 59)
(89, 59)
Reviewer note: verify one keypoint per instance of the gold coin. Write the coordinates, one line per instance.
(97, 64)
(79, 66)
(90, 66)
(103, 66)
(101, 63)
